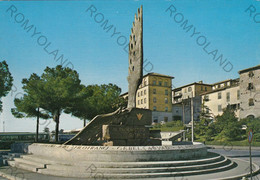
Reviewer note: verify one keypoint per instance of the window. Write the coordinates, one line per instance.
(219, 95)
(138, 94)
(154, 99)
(250, 86)
(201, 88)
(154, 91)
(207, 110)
(166, 100)
(251, 102)
(166, 109)
(228, 96)
(141, 101)
(166, 84)
(206, 98)
(166, 92)
(155, 119)
(141, 93)
(251, 74)
(206, 89)
(145, 92)
(154, 108)
(238, 94)
(160, 83)
(144, 100)
(154, 82)
(219, 108)
(145, 82)
(189, 89)
(165, 119)
(138, 102)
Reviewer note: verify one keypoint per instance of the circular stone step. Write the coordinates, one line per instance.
(138, 162)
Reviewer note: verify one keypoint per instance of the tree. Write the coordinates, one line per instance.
(29, 106)
(254, 124)
(6, 81)
(228, 125)
(81, 107)
(205, 120)
(59, 88)
(95, 100)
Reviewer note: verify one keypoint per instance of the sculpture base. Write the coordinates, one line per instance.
(126, 127)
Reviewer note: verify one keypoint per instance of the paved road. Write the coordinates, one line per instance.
(241, 154)
(1, 178)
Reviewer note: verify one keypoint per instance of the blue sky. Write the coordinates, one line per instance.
(100, 59)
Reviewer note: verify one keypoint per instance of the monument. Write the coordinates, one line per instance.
(124, 127)
(119, 145)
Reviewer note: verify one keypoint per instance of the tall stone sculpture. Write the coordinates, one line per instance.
(124, 127)
(135, 71)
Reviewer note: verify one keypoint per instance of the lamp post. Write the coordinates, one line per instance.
(192, 119)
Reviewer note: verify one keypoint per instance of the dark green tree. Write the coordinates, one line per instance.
(254, 124)
(59, 88)
(6, 81)
(205, 119)
(28, 106)
(105, 99)
(228, 125)
(95, 100)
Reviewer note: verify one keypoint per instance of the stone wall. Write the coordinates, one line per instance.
(119, 153)
(253, 77)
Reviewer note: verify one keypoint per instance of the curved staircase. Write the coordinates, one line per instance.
(121, 170)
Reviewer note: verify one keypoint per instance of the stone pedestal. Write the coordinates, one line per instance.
(132, 131)
(128, 127)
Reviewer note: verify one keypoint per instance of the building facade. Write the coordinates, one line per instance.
(242, 94)
(250, 92)
(223, 93)
(184, 97)
(154, 93)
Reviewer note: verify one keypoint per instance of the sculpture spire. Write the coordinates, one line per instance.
(135, 70)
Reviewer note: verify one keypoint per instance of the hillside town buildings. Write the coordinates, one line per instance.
(185, 102)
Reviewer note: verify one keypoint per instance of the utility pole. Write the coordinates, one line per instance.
(37, 125)
(192, 122)
(250, 138)
(183, 112)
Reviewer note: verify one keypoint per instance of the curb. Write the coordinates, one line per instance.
(232, 147)
(255, 172)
